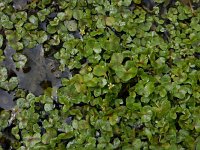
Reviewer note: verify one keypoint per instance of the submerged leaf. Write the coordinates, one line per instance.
(6, 100)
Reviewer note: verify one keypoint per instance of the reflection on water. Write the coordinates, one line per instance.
(6, 100)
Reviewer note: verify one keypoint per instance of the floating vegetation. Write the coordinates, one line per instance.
(99, 74)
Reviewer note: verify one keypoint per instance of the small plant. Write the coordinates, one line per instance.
(99, 74)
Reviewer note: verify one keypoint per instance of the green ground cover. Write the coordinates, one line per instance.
(99, 74)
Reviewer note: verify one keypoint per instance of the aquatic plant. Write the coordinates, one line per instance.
(99, 74)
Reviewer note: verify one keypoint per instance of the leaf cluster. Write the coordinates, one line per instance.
(135, 74)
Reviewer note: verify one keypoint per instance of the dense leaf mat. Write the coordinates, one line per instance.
(99, 74)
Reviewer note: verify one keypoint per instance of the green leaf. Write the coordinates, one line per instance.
(5, 22)
(48, 107)
(110, 21)
(97, 92)
(4, 116)
(78, 14)
(137, 1)
(116, 59)
(66, 135)
(42, 14)
(132, 105)
(42, 37)
(3, 74)
(31, 140)
(105, 125)
(54, 22)
(148, 88)
(116, 143)
(1, 40)
(51, 29)
(113, 119)
(20, 60)
(50, 134)
(22, 103)
(15, 132)
(148, 133)
(61, 16)
(71, 25)
(100, 70)
(146, 114)
(163, 92)
(33, 19)
(197, 125)
(197, 143)
(130, 74)
(137, 144)
(120, 71)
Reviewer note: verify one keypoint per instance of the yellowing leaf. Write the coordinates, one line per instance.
(110, 21)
